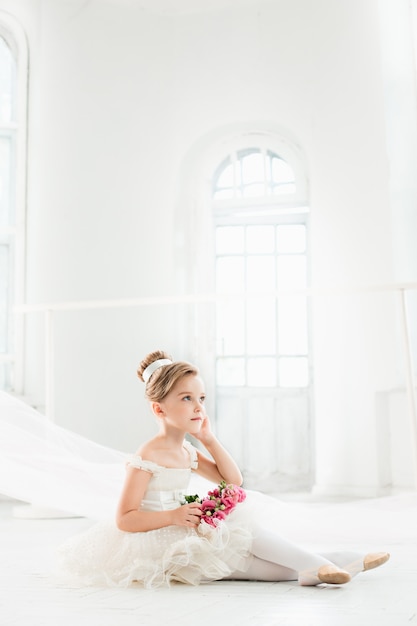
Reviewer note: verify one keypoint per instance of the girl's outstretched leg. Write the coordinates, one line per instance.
(311, 568)
(356, 562)
(276, 559)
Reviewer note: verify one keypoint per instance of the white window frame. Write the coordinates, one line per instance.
(289, 208)
(13, 34)
(236, 414)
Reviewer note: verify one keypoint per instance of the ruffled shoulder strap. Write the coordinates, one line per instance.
(136, 461)
(193, 454)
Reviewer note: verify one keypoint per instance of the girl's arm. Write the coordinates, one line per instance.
(130, 519)
(223, 466)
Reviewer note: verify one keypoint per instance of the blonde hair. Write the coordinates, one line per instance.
(164, 378)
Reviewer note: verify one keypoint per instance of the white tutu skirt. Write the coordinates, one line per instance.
(105, 555)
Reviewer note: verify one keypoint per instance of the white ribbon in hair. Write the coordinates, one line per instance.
(152, 367)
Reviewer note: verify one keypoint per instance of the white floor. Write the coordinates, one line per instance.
(30, 593)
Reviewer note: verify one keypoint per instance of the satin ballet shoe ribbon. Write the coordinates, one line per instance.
(369, 561)
(330, 574)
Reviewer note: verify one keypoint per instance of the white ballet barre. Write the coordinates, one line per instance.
(207, 297)
(49, 309)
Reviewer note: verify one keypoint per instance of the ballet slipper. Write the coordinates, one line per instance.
(333, 575)
(330, 574)
(374, 559)
(369, 561)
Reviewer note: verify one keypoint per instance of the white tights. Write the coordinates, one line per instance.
(277, 559)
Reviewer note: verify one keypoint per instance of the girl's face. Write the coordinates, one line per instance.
(183, 407)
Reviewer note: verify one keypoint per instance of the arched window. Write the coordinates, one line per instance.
(253, 173)
(13, 87)
(263, 374)
(261, 249)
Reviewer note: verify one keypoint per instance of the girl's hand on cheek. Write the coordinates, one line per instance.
(205, 435)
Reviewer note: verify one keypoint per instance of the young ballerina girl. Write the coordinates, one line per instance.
(158, 538)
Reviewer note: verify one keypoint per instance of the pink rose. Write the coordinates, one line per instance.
(219, 502)
(219, 515)
(229, 502)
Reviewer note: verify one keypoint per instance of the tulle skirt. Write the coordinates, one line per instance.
(105, 555)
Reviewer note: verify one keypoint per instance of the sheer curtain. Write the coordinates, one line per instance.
(48, 466)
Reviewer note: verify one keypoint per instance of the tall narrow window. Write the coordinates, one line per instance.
(259, 253)
(13, 76)
(263, 373)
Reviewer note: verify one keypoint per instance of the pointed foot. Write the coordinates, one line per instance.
(375, 559)
(333, 575)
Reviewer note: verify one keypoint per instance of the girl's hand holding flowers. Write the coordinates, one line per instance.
(218, 503)
(187, 515)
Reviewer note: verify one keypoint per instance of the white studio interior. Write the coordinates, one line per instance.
(233, 182)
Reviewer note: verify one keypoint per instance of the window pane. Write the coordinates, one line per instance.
(5, 195)
(223, 194)
(284, 188)
(230, 239)
(226, 177)
(230, 274)
(292, 272)
(261, 326)
(291, 238)
(230, 329)
(230, 372)
(252, 191)
(262, 372)
(293, 372)
(260, 239)
(260, 273)
(292, 325)
(282, 172)
(253, 169)
(4, 292)
(7, 83)
(6, 376)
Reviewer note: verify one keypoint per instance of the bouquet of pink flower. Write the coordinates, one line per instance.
(219, 502)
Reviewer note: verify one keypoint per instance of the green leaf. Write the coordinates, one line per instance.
(189, 499)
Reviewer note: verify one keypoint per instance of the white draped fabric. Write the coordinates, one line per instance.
(49, 466)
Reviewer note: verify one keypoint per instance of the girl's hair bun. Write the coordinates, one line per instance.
(150, 358)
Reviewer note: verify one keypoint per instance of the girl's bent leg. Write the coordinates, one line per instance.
(264, 571)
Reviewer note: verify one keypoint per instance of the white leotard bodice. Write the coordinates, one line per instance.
(167, 485)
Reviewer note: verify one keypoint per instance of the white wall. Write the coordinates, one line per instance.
(119, 98)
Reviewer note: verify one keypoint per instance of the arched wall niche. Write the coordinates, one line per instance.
(195, 227)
